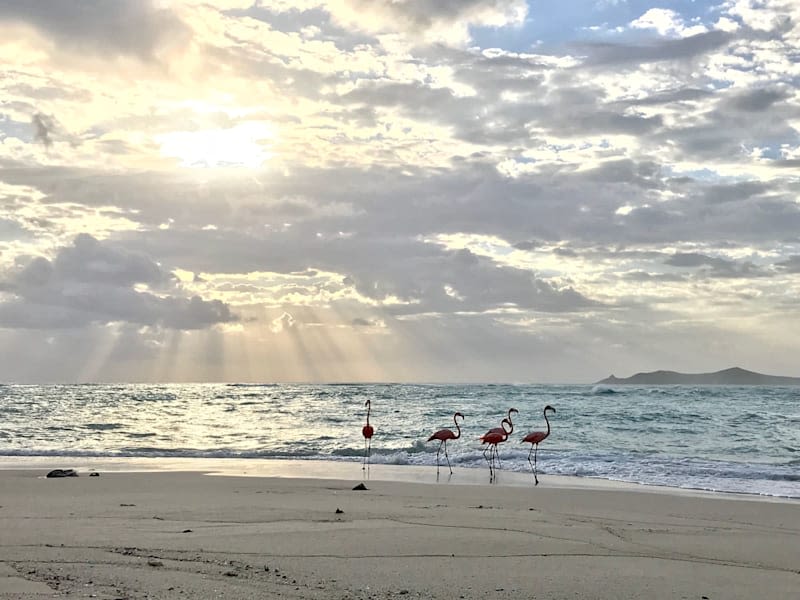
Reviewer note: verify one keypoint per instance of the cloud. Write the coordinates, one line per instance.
(666, 22)
(432, 20)
(659, 51)
(758, 100)
(92, 282)
(790, 265)
(431, 175)
(719, 267)
(284, 322)
(137, 28)
(43, 126)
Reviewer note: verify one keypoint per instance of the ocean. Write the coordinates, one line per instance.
(716, 438)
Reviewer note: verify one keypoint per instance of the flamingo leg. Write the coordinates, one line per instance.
(529, 458)
(499, 464)
(364, 460)
(534, 464)
(447, 457)
(489, 462)
(493, 454)
(437, 455)
(369, 452)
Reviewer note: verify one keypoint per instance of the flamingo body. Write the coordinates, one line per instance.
(443, 435)
(535, 437)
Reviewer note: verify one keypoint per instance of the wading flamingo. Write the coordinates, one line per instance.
(367, 431)
(443, 435)
(492, 438)
(534, 438)
(500, 429)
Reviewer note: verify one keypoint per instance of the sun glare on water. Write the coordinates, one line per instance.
(242, 146)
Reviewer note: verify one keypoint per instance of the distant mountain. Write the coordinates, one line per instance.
(734, 376)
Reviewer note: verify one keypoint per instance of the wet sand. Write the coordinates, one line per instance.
(159, 534)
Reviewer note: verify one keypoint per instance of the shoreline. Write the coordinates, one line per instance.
(351, 470)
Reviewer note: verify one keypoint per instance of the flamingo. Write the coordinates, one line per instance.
(443, 435)
(500, 429)
(534, 438)
(367, 431)
(492, 438)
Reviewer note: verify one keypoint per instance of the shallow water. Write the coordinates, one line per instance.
(720, 438)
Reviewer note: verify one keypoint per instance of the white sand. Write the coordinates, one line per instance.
(190, 535)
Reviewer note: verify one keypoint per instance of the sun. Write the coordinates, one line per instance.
(245, 145)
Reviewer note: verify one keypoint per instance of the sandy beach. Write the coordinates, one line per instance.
(179, 534)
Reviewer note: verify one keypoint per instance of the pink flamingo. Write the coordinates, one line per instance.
(367, 431)
(492, 438)
(500, 429)
(443, 435)
(534, 438)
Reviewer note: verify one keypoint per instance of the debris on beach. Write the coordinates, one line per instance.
(360, 487)
(62, 473)
(339, 511)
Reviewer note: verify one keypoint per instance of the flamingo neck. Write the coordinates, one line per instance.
(546, 420)
(458, 435)
(510, 427)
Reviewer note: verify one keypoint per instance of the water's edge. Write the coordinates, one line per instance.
(350, 471)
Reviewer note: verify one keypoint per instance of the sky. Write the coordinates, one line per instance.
(397, 190)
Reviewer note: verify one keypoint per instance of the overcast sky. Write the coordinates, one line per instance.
(398, 190)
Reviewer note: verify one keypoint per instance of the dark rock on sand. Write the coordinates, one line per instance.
(62, 473)
(360, 486)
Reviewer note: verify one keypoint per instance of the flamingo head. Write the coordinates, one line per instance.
(512, 410)
(458, 414)
(367, 403)
(548, 407)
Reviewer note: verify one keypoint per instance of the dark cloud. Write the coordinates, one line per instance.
(42, 126)
(92, 282)
(362, 322)
(528, 245)
(121, 27)
(718, 267)
(690, 259)
(676, 96)
(757, 100)
(743, 190)
(645, 276)
(790, 265)
(660, 50)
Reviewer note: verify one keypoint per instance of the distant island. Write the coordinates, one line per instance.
(734, 376)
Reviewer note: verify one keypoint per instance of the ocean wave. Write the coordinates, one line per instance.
(603, 389)
(678, 435)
